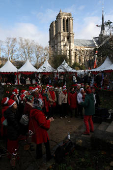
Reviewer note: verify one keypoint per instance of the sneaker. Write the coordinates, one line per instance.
(65, 116)
(60, 117)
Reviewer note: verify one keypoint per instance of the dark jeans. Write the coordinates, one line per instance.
(60, 110)
(39, 150)
(52, 111)
(64, 109)
(80, 110)
(73, 112)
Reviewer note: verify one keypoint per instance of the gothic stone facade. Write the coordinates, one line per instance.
(61, 40)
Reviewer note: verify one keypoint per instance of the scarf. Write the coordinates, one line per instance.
(39, 108)
(72, 92)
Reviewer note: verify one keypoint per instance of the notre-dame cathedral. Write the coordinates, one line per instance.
(61, 41)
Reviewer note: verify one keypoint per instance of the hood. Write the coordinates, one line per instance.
(33, 112)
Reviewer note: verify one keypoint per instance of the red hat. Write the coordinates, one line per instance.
(50, 86)
(47, 85)
(11, 102)
(23, 91)
(31, 89)
(38, 86)
(12, 96)
(15, 91)
(22, 97)
(4, 101)
(88, 91)
(35, 89)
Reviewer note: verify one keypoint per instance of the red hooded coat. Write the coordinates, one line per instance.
(39, 125)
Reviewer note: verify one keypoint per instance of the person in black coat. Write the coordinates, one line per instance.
(13, 127)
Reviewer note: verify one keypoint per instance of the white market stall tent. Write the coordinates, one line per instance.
(8, 68)
(64, 67)
(107, 63)
(10, 71)
(46, 68)
(110, 68)
(27, 67)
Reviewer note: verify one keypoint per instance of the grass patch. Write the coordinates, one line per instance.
(84, 159)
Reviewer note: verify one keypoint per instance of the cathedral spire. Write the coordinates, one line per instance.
(103, 25)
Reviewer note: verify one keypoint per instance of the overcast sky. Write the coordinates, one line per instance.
(31, 18)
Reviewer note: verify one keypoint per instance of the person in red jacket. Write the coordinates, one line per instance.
(52, 101)
(4, 104)
(72, 101)
(46, 102)
(39, 125)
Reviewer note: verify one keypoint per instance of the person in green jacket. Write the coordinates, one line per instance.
(89, 107)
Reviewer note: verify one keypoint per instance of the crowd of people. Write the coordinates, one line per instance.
(101, 79)
(30, 113)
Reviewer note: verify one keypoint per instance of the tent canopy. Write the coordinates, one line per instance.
(27, 67)
(64, 67)
(46, 67)
(109, 68)
(107, 63)
(8, 68)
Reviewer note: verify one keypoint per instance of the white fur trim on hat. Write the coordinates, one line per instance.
(7, 98)
(12, 104)
(34, 89)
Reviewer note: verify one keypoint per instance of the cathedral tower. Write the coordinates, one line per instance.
(61, 36)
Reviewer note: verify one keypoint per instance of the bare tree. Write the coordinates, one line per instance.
(10, 48)
(41, 54)
(23, 49)
(26, 49)
(1, 48)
